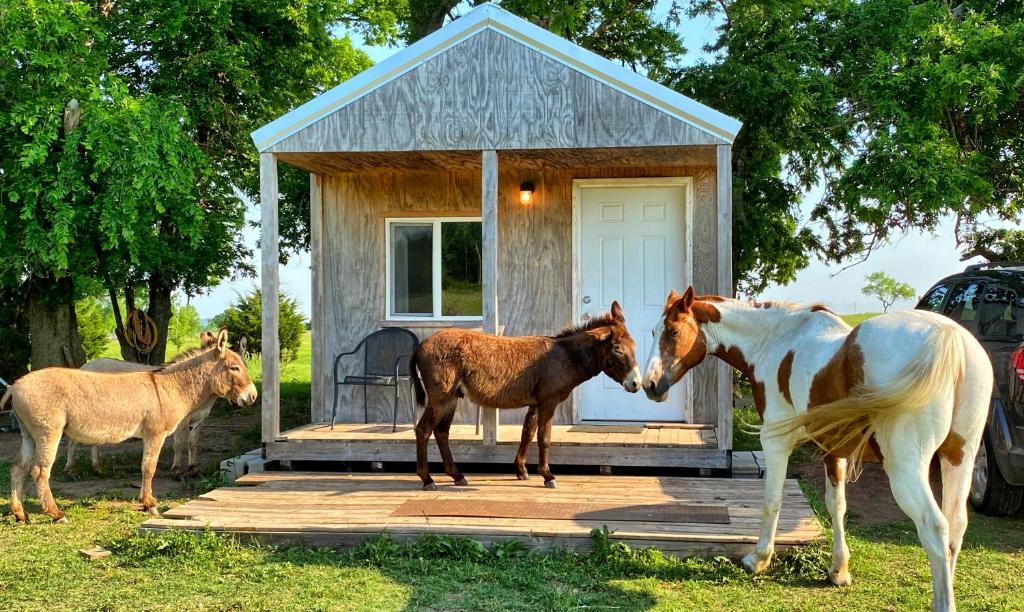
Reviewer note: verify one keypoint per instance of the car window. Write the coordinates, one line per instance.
(933, 301)
(1001, 312)
(963, 304)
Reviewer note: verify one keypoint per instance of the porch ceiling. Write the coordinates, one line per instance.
(344, 162)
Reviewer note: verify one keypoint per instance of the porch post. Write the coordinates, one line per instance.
(489, 230)
(271, 403)
(316, 324)
(723, 172)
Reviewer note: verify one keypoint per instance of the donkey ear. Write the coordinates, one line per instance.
(206, 340)
(617, 312)
(222, 341)
(243, 344)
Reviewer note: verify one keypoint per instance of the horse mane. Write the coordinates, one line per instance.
(586, 326)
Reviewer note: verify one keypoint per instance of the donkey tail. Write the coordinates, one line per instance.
(850, 422)
(417, 383)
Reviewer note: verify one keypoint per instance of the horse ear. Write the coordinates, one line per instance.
(688, 297)
(617, 312)
(222, 341)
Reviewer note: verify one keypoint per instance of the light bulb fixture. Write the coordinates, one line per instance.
(526, 194)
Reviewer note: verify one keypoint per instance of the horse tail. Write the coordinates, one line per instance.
(417, 383)
(850, 422)
(7, 396)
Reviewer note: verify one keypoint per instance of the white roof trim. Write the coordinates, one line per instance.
(490, 16)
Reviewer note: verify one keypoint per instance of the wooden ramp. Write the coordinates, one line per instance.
(341, 510)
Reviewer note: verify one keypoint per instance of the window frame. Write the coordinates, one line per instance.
(436, 272)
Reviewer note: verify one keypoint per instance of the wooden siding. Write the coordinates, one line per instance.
(534, 258)
(492, 92)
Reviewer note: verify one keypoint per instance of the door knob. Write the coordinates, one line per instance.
(586, 299)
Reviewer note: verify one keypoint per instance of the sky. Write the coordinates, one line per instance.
(917, 258)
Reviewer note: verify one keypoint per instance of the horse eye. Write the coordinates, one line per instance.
(672, 333)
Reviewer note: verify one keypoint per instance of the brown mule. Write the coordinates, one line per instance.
(512, 372)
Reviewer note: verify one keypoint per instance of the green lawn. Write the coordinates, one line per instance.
(40, 568)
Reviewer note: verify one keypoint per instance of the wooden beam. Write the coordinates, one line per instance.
(489, 230)
(270, 283)
(316, 323)
(723, 172)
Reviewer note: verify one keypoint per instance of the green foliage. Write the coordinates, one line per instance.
(933, 96)
(14, 339)
(244, 317)
(185, 324)
(93, 327)
(886, 289)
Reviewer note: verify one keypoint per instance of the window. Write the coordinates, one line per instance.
(963, 305)
(933, 301)
(1001, 313)
(434, 268)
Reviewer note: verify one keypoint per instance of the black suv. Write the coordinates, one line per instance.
(988, 300)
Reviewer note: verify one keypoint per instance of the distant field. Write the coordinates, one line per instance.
(854, 319)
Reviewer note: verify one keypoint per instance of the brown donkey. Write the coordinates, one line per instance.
(106, 408)
(512, 372)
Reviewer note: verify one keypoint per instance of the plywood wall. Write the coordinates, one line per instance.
(534, 259)
(493, 92)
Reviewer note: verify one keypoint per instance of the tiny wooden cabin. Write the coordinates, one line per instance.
(494, 175)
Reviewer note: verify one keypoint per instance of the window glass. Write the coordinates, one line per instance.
(963, 305)
(1001, 312)
(412, 269)
(461, 284)
(933, 301)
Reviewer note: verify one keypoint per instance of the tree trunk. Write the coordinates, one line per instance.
(53, 326)
(160, 311)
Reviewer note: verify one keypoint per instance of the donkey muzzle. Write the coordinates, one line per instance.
(633, 381)
(247, 397)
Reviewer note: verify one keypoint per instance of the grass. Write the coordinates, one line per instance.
(41, 569)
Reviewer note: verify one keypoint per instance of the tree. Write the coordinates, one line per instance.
(244, 317)
(886, 289)
(185, 324)
(124, 141)
(934, 96)
(93, 327)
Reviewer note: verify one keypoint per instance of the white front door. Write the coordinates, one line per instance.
(632, 247)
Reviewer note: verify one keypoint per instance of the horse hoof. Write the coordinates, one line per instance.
(551, 484)
(62, 521)
(430, 487)
(461, 483)
(840, 579)
(523, 476)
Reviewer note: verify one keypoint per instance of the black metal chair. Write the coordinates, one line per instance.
(386, 356)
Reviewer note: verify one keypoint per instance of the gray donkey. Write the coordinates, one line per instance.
(186, 437)
(95, 408)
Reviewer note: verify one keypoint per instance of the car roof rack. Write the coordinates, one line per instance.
(994, 264)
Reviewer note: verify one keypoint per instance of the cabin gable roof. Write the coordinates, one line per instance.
(491, 80)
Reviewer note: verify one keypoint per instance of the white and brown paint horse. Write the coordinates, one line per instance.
(899, 388)
(106, 408)
(186, 437)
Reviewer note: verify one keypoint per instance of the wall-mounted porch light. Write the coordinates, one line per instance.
(526, 194)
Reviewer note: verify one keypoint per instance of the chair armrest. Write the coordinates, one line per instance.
(398, 364)
(337, 360)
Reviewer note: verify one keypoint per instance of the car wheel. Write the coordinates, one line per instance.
(990, 493)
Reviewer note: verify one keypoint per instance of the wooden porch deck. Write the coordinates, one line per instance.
(653, 445)
(341, 510)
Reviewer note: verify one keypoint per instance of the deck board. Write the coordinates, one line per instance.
(332, 509)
